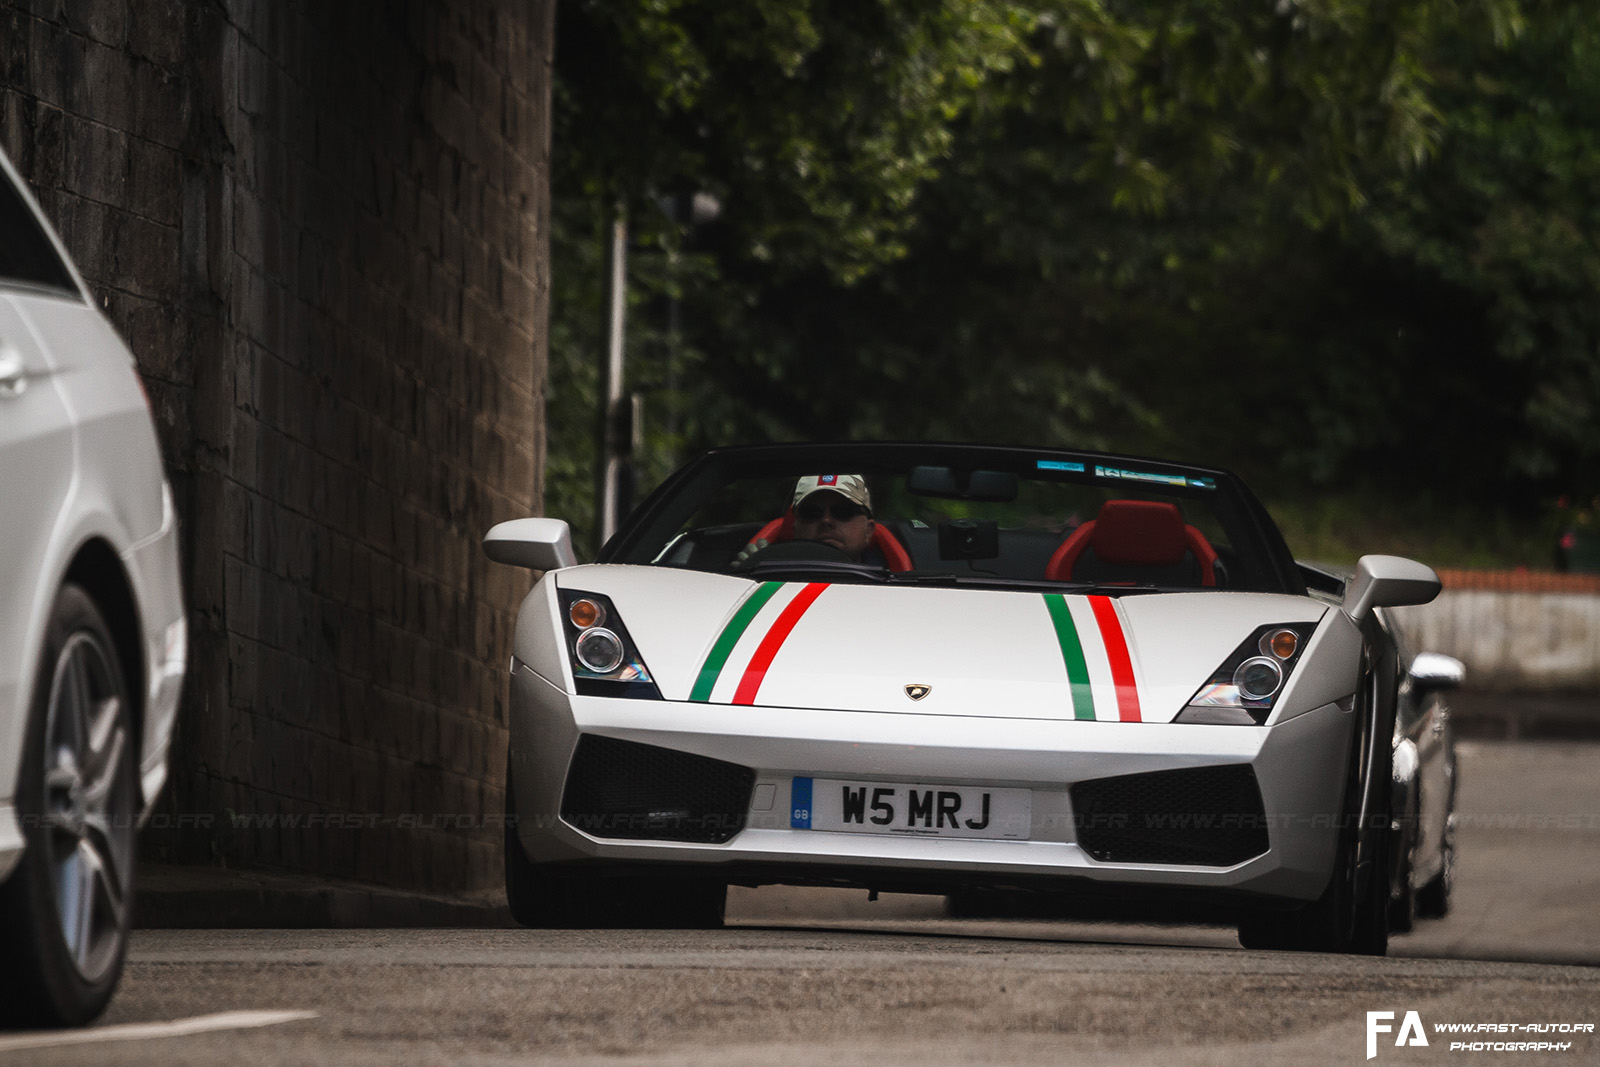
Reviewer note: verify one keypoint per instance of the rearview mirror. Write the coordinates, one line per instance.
(542, 544)
(1388, 582)
(981, 485)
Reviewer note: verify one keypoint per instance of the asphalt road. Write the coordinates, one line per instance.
(815, 977)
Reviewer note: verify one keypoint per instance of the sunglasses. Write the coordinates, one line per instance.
(841, 510)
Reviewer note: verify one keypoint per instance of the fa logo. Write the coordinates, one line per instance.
(1412, 1026)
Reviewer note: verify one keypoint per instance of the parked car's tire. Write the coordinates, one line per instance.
(1402, 854)
(1403, 912)
(1433, 899)
(64, 911)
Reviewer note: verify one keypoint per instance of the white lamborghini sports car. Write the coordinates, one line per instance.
(956, 669)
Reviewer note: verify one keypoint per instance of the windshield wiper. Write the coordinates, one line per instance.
(1030, 584)
(839, 569)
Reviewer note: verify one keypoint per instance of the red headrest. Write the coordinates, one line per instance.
(1141, 533)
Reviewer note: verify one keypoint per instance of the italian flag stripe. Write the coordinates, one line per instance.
(1072, 655)
(1105, 613)
(750, 684)
(729, 637)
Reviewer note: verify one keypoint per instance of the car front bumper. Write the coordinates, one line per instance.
(1300, 766)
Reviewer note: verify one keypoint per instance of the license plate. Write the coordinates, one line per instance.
(924, 810)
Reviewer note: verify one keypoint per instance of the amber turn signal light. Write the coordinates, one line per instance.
(586, 613)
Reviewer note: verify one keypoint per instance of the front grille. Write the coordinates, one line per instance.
(623, 789)
(1203, 816)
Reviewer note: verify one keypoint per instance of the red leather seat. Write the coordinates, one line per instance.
(895, 557)
(1135, 541)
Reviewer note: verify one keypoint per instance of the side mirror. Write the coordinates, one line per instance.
(543, 544)
(1433, 671)
(1388, 582)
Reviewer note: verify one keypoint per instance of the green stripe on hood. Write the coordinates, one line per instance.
(718, 658)
(1072, 655)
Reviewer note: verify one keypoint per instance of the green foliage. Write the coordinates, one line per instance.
(1508, 216)
(1339, 528)
(1335, 245)
(814, 122)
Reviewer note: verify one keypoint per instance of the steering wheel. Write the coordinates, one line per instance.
(795, 551)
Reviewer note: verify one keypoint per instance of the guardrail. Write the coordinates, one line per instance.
(1514, 630)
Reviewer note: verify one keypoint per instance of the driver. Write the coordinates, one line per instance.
(835, 509)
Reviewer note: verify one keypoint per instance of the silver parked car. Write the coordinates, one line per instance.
(92, 632)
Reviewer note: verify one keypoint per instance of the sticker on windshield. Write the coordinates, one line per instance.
(1154, 478)
(1058, 465)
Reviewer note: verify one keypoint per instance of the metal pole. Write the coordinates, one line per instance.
(610, 456)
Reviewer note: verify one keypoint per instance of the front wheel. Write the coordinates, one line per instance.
(553, 897)
(64, 911)
(1349, 917)
(1352, 914)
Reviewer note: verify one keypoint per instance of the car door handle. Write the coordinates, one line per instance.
(13, 375)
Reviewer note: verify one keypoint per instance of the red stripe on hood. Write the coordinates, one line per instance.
(756, 672)
(1105, 614)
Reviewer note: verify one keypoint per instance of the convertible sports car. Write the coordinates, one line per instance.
(959, 669)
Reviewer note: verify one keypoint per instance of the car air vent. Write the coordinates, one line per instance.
(623, 789)
(1202, 816)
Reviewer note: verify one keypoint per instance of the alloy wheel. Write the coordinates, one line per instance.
(89, 812)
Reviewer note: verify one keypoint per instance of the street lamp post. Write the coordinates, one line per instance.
(611, 411)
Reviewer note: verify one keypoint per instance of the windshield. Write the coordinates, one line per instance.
(964, 516)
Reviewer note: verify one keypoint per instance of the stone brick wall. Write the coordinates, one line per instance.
(322, 229)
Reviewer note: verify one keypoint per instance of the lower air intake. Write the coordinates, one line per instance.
(623, 789)
(1202, 816)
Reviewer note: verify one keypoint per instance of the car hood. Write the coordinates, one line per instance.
(930, 650)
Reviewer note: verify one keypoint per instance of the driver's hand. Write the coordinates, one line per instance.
(749, 550)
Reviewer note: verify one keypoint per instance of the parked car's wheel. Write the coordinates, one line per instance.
(1433, 899)
(1403, 911)
(1402, 859)
(546, 896)
(64, 911)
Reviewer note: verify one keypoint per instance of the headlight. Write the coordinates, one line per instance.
(1241, 691)
(599, 651)
(1258, 678)
(604, 660)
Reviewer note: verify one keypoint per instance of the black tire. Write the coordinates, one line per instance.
(978, 904)
(1433, 899)
(559, 897)
(1403, 911)
(1337, 921)
(1352, 914)
(1403, 857)
(64, 911)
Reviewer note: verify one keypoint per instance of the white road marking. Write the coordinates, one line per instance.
(200, 1024)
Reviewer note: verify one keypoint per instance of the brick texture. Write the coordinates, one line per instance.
(322, 229)
(1522, 581)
